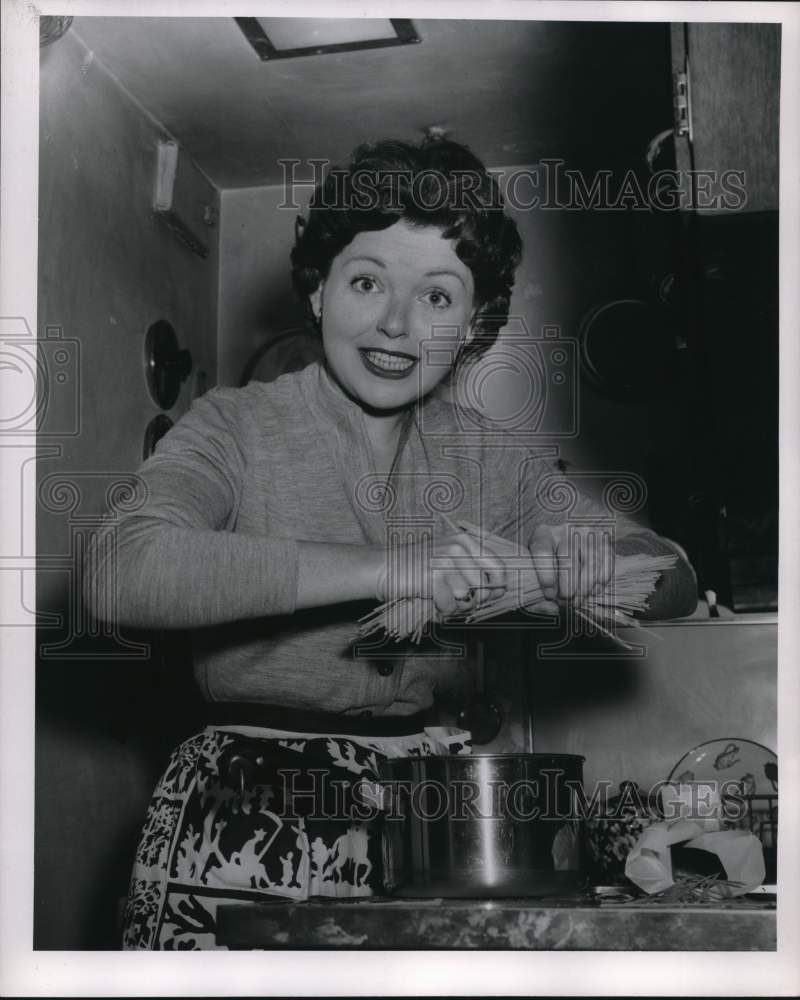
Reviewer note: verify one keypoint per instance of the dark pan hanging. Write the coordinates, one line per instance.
(290, 350)
(628, 349)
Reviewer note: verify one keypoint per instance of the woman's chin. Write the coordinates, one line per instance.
(383, 395)
(385, 403)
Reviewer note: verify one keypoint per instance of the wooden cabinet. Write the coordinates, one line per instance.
(725, 461)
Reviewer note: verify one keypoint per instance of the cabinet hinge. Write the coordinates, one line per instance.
(681, 104)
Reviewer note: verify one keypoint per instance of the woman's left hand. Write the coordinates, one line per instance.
(571, 562)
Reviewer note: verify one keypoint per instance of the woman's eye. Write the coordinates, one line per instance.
(439, 299)
(363, 283)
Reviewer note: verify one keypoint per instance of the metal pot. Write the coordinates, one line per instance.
(483, 825)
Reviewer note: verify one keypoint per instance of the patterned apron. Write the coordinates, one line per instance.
(304, 822)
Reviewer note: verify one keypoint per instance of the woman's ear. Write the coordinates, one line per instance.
(315, 298)
(472, 328)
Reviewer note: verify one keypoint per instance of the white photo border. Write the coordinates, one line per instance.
(27, 972)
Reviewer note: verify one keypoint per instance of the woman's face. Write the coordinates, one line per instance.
(387, 296)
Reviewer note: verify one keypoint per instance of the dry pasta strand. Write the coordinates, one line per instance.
(634, 580)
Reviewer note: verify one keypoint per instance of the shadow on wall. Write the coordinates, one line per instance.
(105, 730)
(634, 718)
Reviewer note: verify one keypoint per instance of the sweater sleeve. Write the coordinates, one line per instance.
(175, 562)
(675, 595)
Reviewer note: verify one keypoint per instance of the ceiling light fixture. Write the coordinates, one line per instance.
(288, 37)
(51, 28)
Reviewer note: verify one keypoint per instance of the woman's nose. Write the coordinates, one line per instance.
(394, 322)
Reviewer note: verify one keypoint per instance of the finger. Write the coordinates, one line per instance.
(594, 550)
(607, 561)
(466, 595)
(603, 562)
(466, 578)
(588, 565)
(567, 569)
(484, 548)
(542, 550)
(444, 600)
(481, 569)
(452, 569)
(495, 573)
(494, 584)
(460, 579)
(460, 587)
(467, 560)
(466, 602)
(597, 579)
(486, 595)
(577, 567)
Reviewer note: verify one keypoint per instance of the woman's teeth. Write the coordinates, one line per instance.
(391, 362)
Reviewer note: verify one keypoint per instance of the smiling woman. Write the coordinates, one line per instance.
(278, 514)
(393, 300)
(414, 257)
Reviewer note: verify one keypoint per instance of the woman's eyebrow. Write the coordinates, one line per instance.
(428, 274)
(372, 260)
(438, 274)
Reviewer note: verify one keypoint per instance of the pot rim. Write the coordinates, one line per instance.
(488, 756)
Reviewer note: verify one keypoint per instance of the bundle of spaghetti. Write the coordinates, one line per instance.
(627, 592)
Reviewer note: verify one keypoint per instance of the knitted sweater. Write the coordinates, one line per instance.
(249, 472)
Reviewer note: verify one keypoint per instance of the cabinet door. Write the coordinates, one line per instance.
(727, 159)
(730, 138)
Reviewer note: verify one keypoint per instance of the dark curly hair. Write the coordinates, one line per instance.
(437, 183)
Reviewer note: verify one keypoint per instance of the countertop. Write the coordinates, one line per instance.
(745, 924)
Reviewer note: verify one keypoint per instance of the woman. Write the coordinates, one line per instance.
(276, 515)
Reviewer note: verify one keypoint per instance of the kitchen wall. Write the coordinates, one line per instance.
(108, 269)
(634, 718)
(256, 298)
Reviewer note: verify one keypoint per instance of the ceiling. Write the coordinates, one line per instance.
(515, 91)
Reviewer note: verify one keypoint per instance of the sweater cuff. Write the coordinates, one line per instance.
(675, 595)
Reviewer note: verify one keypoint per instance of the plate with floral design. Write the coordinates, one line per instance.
(751, 765)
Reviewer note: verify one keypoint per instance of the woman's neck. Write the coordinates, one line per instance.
(385, 432)
(384, 427)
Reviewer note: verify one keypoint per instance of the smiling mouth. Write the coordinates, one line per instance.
(386, 363)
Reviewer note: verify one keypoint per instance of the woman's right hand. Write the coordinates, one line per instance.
(459, 573)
